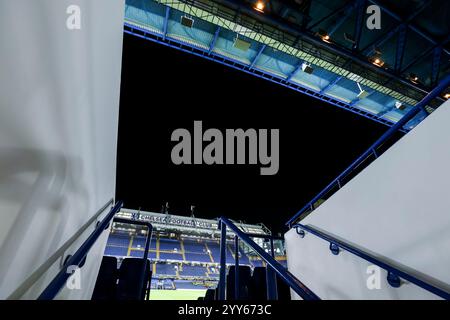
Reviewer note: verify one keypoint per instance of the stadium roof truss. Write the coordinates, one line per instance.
(279, 56)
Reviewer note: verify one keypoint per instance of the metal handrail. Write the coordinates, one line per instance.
(79, 256)
(393, 272)
(271, 263)
(388, 134)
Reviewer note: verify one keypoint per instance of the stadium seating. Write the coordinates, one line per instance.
(116, 251)
(170, 256)
(106, 284)
(132, 284)
(244, 282)
(185, 284)
(166, 269)
(194, 271)
(197, 257)
(180, 275)
(169, 245)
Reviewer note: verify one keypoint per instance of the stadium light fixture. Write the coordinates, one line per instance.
(399, 105)
(376, 60)
(259, 6)
(324, 36)
(413, 78)
(307, 68)
(362, 93)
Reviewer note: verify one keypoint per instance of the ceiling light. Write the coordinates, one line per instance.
(259, 6)
(399, 105)
(377, 61)
(413, 78)
(324, 35)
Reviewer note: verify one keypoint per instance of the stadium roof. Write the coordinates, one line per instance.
(278, 43)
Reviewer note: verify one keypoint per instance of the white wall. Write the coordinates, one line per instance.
(59, 101)
(398, 208)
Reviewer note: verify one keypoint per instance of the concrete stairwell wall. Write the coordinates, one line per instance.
(59, 105)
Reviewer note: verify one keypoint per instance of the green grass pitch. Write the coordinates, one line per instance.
(179, 294)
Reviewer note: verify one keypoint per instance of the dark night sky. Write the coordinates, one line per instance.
(164, 89)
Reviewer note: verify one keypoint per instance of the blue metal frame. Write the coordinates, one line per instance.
(213, 42)
(79, 256)
(223, 261)
(255, 59)
(400, 51)
(236, 268)
(239, 65)
(372, 149)
(437, 55)
(409, 25)
(270, 261)
(166, 22)
(360, 11)
(393, 273)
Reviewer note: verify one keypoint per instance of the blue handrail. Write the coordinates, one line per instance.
(272, 264)
(79, 256)
(372, 149)
(393, 272)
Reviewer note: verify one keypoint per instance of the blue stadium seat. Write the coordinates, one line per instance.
(200, 257)
(116, 251)
(195, 271)
(169, 244)
(170, 256)
(165, 269)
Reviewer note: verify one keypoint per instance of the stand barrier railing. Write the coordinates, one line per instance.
(273, 266)
(394, 274)
(79, 257)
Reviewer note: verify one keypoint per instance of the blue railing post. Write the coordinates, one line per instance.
(272, 292)
(296, 285)
(236, 267)
(223, 259)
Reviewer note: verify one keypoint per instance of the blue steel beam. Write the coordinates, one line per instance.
(214, 40)
(166, 23)
(360, 11)
(331, 84)
(255, 59)
(436, 65)
(385, 111)
(341, 20)
(333, 13)
(400, 51)
(239, 65)
(410, 25)
(381, 40)
(427, 52)
(296, 69)
(388, 134)
(369, 49)
(344, 52)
